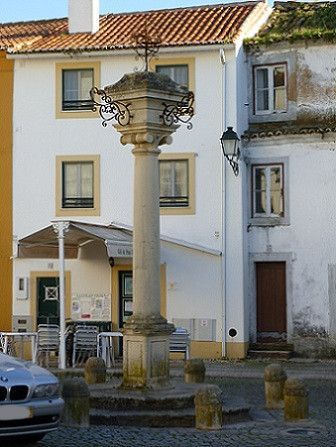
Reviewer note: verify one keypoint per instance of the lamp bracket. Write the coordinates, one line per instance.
(233, 161)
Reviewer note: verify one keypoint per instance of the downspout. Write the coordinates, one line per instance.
(223, 205)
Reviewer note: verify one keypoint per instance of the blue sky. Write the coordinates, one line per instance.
(17, 10)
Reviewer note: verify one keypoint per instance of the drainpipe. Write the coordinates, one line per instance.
(223, 205)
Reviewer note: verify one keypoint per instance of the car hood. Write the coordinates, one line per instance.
(15, 370)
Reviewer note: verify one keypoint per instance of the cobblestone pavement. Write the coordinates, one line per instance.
(295, 367)
(266, 429)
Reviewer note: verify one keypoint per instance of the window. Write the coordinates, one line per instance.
(180, 70)
(178, 73)
(270, 89)
(268, 190)
(77, 185)
(174, 189)
(76, 86)
(73, 84)
(177, 183)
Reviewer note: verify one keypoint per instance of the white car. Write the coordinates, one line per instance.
(30, 402)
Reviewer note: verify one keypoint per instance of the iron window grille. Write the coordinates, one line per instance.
(174, 201)
(76, 86)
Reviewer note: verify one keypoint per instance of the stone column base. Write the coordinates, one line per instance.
(146, 353)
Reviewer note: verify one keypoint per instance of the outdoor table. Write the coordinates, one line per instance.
(105, 347)
(6, 336)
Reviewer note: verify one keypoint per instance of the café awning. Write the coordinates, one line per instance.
(44, 243)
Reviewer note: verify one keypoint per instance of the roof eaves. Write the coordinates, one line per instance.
(72, 50)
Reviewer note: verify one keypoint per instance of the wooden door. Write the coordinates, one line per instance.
(48, 300)
(271, 301)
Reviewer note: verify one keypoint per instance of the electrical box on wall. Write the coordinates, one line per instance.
(21, 288)
(200, 329)
(22, 323)
(204, 329)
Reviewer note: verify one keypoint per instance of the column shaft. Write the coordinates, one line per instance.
(146, 237)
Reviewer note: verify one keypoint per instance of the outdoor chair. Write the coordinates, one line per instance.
(84, 344)
(47, 343)
(179, 341)
(105, 347)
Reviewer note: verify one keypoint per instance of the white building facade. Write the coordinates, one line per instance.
(66, 166)
(290, 156)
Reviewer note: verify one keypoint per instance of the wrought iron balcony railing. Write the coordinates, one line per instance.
(174, 201)
(81, 104)
(77, 202)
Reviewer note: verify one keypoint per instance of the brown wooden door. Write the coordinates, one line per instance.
(271, 301)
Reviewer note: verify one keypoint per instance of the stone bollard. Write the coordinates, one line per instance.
(76, 397)
(95, 371)
(208, 408)
(194, 371)
(296, 400)
(275, 378)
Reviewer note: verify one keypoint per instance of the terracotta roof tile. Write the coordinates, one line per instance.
(175, 27)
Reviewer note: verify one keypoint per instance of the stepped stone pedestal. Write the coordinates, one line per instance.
(173, 407)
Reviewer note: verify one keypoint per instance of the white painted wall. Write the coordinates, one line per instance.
(234, 246)
(310, 237)
(39, 137)
(90, 274)
(316, 90)
(193, 285)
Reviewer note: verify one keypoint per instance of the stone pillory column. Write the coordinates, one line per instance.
(155, 104)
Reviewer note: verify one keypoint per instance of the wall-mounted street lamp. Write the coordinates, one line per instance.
(230, 146)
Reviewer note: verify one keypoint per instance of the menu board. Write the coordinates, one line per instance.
(91, 307)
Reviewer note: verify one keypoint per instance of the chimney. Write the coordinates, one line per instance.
(83, 16)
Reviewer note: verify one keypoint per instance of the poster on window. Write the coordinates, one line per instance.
(91, 307)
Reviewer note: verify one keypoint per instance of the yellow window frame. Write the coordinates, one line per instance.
(191, 208)
(59, 67)
(59, 210)
(190, 61)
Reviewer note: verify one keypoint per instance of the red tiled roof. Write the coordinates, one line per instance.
(203, 25)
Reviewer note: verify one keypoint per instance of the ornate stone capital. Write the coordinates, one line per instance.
(137, 138)
(145, 140)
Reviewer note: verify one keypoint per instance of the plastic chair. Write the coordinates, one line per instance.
(179, 341)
